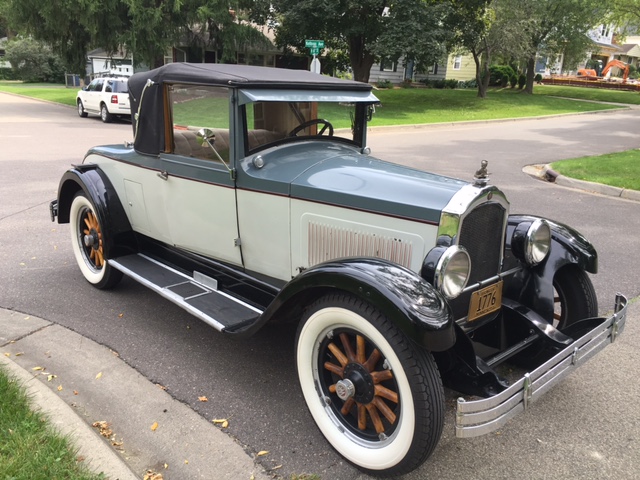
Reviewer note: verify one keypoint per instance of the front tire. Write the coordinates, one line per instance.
(374, 395)
(105, 115)
(81, 111)
(87, 240)
(574, 297)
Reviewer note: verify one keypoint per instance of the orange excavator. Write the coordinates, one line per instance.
(621, 65)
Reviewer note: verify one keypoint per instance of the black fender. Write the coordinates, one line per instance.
(414, 305)
(119, 239)
(533, 286)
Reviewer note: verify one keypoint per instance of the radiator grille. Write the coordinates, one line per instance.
(327, 242)
(481, 234)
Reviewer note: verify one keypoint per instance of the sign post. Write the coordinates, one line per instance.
(314, 46)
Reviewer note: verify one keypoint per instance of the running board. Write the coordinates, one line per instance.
(199, 295)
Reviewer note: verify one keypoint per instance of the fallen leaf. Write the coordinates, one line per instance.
(75, 392)
(262, 453)
(27, 318)
(166, 466)
(7, 354)
(120, 315)
(22, 264)
(59, 388)
(151, 475)
(252, 477)
(51, 377)
(33, 258)
(224, 423)
(276, 467)
(103, 427)
(99, 375)
(201, 399)
(154, 426)
(161, 387)
(186, 462)
(37, 368)
(19, 354)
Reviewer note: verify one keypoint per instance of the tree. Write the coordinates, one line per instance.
(146, 28)
(366, 29)
(472, 23)
(551, 26)
(33, 62)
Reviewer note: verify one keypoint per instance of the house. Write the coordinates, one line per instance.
(458, 67)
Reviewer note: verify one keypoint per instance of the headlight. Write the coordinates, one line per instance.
(531, 241)
(452, 271)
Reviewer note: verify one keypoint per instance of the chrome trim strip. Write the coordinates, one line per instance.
(479, 417)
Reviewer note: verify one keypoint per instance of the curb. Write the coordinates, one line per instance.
(99, 457)
(546, 173)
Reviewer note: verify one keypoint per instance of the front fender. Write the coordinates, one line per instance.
(414, 305)
(118, 238)
(533, 287)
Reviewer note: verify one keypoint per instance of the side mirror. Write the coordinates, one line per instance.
(206, 135)
(85, 88)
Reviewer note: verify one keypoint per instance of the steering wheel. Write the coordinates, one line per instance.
(309, 123)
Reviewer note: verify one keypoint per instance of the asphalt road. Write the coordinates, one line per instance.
(588, 427)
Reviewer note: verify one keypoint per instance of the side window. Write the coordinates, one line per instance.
(109, 87)
(92, 86)
(99, 85)
(197, 107)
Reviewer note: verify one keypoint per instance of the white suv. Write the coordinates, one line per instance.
(107, 97)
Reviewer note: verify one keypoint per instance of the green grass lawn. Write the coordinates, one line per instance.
(29, 447)
(593, 94)
(42, 91)
(616, 169)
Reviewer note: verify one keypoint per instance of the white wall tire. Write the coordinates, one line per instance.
(89, 253)
(408, 440)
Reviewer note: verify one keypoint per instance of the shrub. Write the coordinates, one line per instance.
(406, 84)
(500, 75)
(426, 82)
(451, 83)
(440, 83)
(384, 84)
(522, 80)
(33, 61)
(513, 81)
(538, 78)
(468, 83)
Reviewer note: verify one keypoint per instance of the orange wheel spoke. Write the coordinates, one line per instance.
(87, 222)
(372, 360)
(332, 367)
(338, 354)
(362, 417)
(375, 418)
(100, 261)
(86, 231)
(348, 348)
(381, 376)
(384, 409)
(360, 347)
(557, 316)
(386, 393)
(332, 388)
(348, 405)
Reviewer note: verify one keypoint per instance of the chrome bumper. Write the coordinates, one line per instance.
(479, 417)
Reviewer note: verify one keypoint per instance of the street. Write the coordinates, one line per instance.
(587, 427)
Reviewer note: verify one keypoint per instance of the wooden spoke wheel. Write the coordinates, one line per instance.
(374, 395)
(87, 239)
(574, 297)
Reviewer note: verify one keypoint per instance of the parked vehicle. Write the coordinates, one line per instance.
(105, 96)
(249, 196)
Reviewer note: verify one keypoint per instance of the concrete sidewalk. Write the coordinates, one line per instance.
(150, 431)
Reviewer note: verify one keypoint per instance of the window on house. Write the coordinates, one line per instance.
(457, 62)
(386, 65)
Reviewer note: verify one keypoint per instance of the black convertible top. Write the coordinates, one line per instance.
(148, 120)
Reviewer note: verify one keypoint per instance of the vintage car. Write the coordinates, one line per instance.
(249, 196)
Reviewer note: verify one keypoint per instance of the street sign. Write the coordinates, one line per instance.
(314, 46)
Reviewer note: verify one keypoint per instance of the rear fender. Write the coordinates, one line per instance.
(533, 287)
(414, 305)
(119, 239)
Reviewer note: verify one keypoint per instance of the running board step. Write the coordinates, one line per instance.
(199, 297)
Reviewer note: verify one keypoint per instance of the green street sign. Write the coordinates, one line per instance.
(314, 46)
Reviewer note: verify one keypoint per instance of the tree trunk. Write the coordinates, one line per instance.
(482, 88)
(531, 72)
(361, 59)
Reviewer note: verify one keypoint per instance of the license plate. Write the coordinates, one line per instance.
(484, 301)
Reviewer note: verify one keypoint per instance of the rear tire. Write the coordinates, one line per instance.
(391, 417)
(87, 239)
(104, 114)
